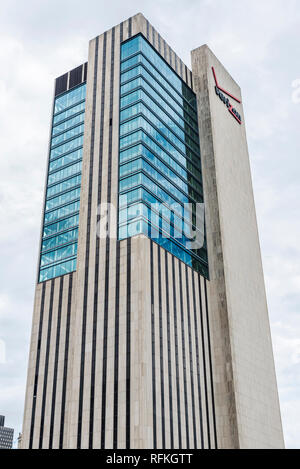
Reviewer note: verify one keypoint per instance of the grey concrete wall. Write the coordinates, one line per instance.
(247, 406)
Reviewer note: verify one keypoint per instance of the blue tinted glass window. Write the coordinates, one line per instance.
(62, 225)
(61, 218)
(64, 173)
(63, 238)
(62, 199)
(130, 47)
(159, 161)
(68, 124)
(67, 135)
(162, 97)
(58, 254)
(70, 98)
(64, 186)
(150, 142)
(66, 147)
(162, 135)
(65, 160)
(61, 212)
(69, 113)
(57, 270)
(187, 102)
(157, 116)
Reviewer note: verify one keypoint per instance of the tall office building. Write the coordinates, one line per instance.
(6, 435)
(142, 338)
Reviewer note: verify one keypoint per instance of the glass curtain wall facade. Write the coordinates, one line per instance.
(61, 219)
(159, 162)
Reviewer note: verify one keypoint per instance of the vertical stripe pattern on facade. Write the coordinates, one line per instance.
(86, 274)
(36, 377)
(107, 260)
(214, 430)
(102, 61)
(128, 344)
(183, 344)
(169, 352)
(54, 389)
(178, 387)
(199, 377)
(89, 387)
(191, 356)
(117, 331)
(66, 362)
(46, 365)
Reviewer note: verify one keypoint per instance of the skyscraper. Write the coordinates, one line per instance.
(6, 435)
(150, 329)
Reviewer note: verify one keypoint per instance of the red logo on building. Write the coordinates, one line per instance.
(220, 91)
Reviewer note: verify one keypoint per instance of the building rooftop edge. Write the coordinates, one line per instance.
(139, 14)
(205, 47)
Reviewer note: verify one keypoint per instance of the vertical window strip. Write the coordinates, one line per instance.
(128, 344)
(116, 370)
(46, 365)
(161, 350)
(169, 351)
(184, 358)
(45, 198)
(210, 366)
(107, 254)
(121, 32)
(191, 354)
(129, 27)
(176, 355)
(153, 349)
(66, 363)
(95, 311)
(87, 254)
(94, 343)
(176, 62)
(204, 363)
(54, 387)
(198, 362)
(117, 321)
(37, 364)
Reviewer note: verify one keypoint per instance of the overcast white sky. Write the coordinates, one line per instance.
(258, 42)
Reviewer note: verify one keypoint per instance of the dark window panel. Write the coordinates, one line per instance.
(85, 71)
(61, 84)
(75, 77)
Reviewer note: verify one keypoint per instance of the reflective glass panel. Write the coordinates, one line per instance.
(159, 162)
(61, 218)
